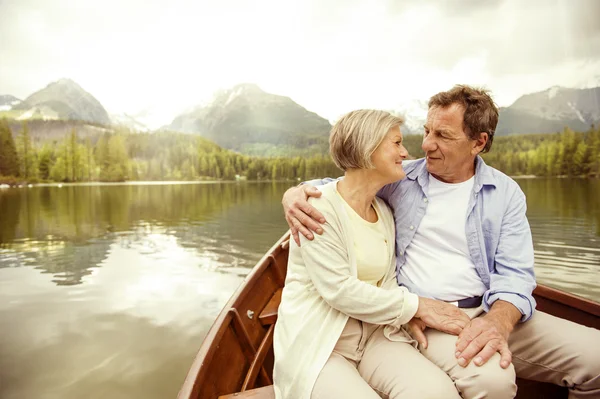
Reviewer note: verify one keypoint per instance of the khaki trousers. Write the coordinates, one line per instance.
(544, 348)
(367, 365)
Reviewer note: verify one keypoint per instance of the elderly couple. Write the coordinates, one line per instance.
(418, 282)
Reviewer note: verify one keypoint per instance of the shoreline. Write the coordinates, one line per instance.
(173, 182)
(138, 183)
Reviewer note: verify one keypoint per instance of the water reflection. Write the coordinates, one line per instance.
(108, 291)
(564, 215)
(67, 231)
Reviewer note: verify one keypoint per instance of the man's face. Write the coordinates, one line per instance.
(450, 153)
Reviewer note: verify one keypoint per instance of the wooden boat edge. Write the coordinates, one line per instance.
(551, 300)
(217, 329)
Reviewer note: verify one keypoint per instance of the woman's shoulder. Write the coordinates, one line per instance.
(329, 201)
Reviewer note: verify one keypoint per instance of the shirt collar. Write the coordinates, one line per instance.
(484, 175)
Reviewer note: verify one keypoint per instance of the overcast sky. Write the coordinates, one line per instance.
(331, 56)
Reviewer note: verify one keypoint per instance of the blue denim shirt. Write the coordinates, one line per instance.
(497, 230)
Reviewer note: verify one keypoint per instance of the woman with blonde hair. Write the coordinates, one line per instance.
(340, 329)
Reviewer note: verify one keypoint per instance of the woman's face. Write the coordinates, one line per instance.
(388, 157)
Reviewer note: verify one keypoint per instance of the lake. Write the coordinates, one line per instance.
(108, 290)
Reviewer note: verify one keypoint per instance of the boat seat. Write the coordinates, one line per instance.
(268, 315)
(258, 393)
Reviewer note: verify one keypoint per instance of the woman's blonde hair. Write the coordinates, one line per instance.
(356, 135)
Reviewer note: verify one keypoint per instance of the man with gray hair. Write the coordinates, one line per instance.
(462, 236)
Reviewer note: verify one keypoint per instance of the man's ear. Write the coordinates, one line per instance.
(479, 143)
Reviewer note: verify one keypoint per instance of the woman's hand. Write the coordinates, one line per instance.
(442, 316)
(416, 328)
(299, 214)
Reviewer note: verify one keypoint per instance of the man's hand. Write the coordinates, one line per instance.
(486, 335)
(300, 215)
(442, 316)
(416, 328)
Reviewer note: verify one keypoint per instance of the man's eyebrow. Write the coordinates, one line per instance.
(440, 130)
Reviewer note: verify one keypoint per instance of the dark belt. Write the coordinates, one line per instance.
(472, 302)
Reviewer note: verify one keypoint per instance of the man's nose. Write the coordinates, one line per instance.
(428, 143)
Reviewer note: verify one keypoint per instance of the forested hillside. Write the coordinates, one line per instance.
(119, 155)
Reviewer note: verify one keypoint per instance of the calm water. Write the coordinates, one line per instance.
(108, 291)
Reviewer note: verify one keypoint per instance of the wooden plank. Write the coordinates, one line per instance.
(214, 370)
(259, 393)
(257, 363)
(568, 299)
(268, 315)
(567, 306)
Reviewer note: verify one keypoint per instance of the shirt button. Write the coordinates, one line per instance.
(412, 227)
(401, 253)
(424, 199)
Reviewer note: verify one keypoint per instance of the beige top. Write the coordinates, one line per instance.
(322, 291)
(370, 244)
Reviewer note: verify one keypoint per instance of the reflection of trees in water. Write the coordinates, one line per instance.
(10, 206)
(78, 213)
(67, 231)
(569, 198)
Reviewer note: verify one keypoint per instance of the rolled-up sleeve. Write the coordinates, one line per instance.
(513, 278)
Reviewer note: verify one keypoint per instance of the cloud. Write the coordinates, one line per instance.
(328, 55)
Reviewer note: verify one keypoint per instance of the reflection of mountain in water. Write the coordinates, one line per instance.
(68, 231)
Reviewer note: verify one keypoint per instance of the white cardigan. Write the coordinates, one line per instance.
(322, 291)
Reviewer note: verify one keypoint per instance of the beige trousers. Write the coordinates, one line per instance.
(366, 365)
(544, 348)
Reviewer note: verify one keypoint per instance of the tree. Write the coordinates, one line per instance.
(9, 160)
(74, 156)
(27, 153)
(45, 157)
(58, 172)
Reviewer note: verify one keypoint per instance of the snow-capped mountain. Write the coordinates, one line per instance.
(551, 111)
(7, 102)
(63, 99)
(128, 121)
(547, 111)
(415, 115)
(246, 115)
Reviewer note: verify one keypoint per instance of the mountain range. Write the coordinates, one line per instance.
(246, 115)
(7, 102)
(550, 111)
(247, 119)
(63, 99)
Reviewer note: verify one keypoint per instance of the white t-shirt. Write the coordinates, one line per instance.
(438, 259)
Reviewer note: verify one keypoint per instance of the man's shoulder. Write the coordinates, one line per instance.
(411, 165)
(504, 185)
(501, 178)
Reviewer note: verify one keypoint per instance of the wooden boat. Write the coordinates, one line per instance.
(236, 357)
